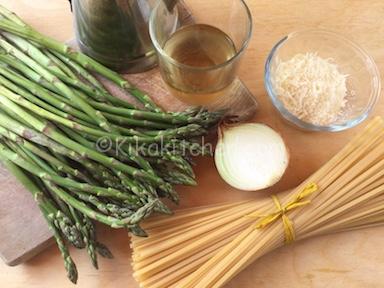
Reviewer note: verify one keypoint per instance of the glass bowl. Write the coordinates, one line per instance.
(363, 81)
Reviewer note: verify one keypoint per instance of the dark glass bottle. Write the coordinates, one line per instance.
(115, 32)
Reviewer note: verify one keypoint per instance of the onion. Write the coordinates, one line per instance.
(250, 156)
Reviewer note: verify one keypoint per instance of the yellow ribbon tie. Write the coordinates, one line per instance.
(283, 210)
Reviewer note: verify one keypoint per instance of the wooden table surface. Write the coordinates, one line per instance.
(354, 259)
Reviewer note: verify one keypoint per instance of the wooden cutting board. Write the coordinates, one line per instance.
(24, 232)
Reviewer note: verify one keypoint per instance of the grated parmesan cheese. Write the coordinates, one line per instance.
(311, 88)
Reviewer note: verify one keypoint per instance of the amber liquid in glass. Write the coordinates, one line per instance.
(198, 49)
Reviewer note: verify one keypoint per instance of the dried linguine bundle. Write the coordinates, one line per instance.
(206, 247)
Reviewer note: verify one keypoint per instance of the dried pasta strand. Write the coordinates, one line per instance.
(208, 246)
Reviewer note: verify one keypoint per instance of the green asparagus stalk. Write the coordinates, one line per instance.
(82, 59)
(11, 16)
(96, 115)
(27, 48)
(33, 99)
(50, 217)
(44, 94)
(73, 234)
(146, 115)
(5, 93)
(111, 209)
(177, 178)
(69, 265)
(138, 123)
(55, 135)
(115, 113)
(25, 70)
(95, 169)
(151, 137)
(11, 125)
(76, 83)
(79, 70)
(88, 242)
(101, 249)
(140, 214)
(59, 165)
(65, 181)
(132, 154)
(91, 199)
(59, 63)
(113, 222)
(190, 130)
(91, 79)
(63, 220)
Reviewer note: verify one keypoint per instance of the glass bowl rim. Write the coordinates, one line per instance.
(238, 53)
(369, 64)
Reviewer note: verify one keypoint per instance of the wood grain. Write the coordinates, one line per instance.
(350, 260)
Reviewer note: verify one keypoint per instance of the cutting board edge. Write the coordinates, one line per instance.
(28, 255)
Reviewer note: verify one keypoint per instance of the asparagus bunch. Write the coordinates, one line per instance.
(83, 153)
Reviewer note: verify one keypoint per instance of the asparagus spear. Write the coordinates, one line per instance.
(60, 166)
(91, 79)
(11, 16)
(48, 215)
(101, 249)
(39, 91)
(94, 114)
(88, 242)
(69, 265)
(65, 181)
(54, 134)
(41, 139)
(64, 221)
(135, 158)
(79, 70)
(141, 213)
(27, 48)
(76, 126)
(28, 32)
(31, 97)
(65, 224)
(204, 118)
(60, 64)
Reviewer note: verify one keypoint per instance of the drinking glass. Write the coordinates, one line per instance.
(199, 45)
